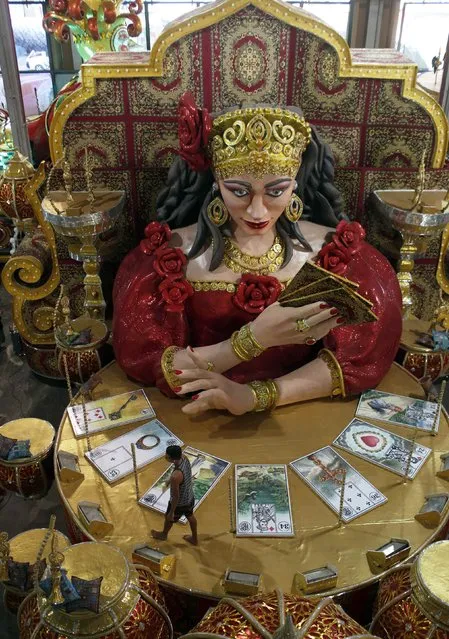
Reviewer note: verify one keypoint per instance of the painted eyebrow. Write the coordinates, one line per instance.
(248, 185)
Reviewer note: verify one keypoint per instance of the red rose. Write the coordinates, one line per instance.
(169, 261)
(175, 291)
(350, 235)
(256, 292)
(156, 235)
(334, 258)
(194, 127)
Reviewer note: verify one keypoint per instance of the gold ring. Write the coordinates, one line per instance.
(210, 366)
(302, 326)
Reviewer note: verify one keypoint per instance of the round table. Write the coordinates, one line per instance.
(279, 437)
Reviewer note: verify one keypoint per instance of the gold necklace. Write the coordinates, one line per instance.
(239, 262)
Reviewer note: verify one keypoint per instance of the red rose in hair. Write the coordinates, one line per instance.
(194, 127)
(169, 261)
(350, 235)
(156, 235)
(175, 291)
(256, 292)
(334, 258)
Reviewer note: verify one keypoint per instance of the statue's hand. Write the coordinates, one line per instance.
(277, 325)
(215, 390)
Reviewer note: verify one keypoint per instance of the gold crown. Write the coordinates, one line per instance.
(258, 141)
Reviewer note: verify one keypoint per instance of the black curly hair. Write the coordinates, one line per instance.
(187, 194)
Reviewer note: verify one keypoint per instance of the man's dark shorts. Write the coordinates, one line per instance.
(186, 510)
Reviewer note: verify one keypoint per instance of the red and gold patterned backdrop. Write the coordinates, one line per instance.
(368, 110)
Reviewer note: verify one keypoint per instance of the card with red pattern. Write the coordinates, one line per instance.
(380, 447)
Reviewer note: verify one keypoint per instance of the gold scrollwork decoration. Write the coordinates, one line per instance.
(22, 270)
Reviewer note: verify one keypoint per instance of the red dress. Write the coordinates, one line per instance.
(156, 307)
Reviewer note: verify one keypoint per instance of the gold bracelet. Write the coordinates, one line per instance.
(266, 394)
(338, 382)
(167, 365)
(245, 345)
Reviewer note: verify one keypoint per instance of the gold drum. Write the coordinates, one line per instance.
(413, 601)
(131, 603)
(28, 476)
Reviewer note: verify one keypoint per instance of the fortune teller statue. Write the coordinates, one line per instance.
(195, 303)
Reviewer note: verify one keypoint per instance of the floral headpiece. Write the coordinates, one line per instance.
(258, 141)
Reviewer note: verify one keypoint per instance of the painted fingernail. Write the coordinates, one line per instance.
(340, 320)
(178, 372)
(334, 311)
(177, 389)
(195, 397)
(324, 305)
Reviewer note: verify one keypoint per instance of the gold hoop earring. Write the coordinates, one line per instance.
(294, 209)
(217, 212)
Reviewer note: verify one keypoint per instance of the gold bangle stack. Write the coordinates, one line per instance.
(245, 345)
(338, 382)
(266, 394)
(167, 366)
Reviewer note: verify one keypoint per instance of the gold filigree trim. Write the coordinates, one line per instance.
(338, 382)
(220, 285)
(266, 394)
(167, 359)
(292, 16)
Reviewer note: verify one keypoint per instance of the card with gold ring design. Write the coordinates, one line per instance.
(114, 460)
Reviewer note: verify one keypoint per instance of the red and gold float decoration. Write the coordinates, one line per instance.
(122, 600)
(28, 476)
(275, 615)
(18, 563)
(96, 25)
(413, 600)
(13, 201)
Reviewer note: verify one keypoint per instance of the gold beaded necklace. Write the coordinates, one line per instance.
(239, 262)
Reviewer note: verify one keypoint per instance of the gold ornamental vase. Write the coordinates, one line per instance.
(130, 605)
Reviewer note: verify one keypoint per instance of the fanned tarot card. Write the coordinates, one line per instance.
(310, 273)
(207, 470)
(314, 284)
(262, 501)
(324, 470)
(114, 460)
(382, 448)
(110, 412)
(397, 409)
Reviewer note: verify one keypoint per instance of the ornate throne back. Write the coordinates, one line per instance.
(364, 103)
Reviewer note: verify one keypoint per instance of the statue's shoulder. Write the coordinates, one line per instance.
(184, 237)
(316, 234)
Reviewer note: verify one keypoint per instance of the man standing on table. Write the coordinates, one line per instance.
(182, 499)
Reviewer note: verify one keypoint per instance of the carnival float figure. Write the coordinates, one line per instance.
(195, 303)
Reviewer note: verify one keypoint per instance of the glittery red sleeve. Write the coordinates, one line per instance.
(366, 352)
(148, 314)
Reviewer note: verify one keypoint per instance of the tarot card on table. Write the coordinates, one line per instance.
(383, 448)
(207, 470)
(324, 470)
(397, 409)
(262, 501)
(110, 412)
(114, 458)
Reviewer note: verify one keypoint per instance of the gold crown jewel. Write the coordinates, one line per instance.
(258, 141)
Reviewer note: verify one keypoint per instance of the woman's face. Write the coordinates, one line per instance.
(255, 205)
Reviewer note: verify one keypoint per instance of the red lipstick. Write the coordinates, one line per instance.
(257, 225)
